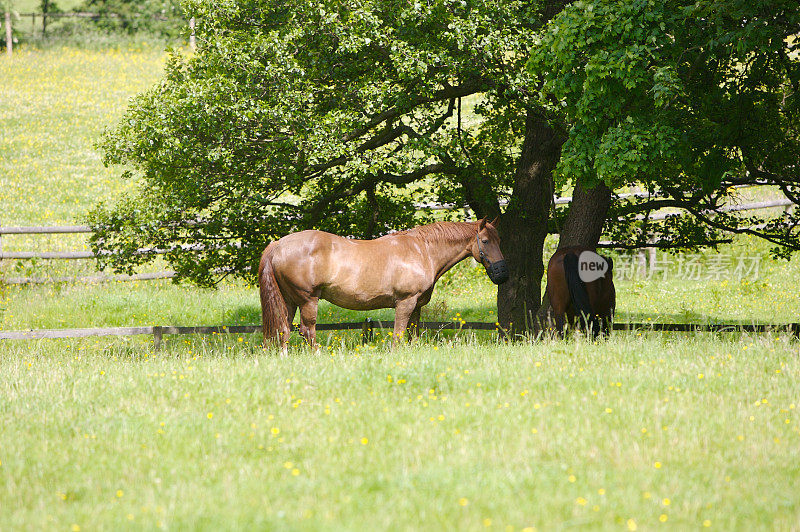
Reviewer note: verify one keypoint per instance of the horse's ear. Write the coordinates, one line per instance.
(494, 222)
(482, 224)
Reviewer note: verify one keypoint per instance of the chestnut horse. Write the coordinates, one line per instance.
(571, 297)
(397, 270)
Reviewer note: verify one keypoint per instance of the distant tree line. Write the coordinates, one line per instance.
(163, 17)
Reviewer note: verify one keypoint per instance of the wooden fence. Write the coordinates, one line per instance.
(367, 329)
(76, 255)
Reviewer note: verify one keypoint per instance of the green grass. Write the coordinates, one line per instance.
(34, 6)
(55, 105)
(765, 294)
(215, 433)
(456, 431)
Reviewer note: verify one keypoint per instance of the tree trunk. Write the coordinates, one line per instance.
(523, 227)
(586, 216)
(479, 195)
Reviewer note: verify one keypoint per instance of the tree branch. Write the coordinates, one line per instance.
(650, 205)
(662, 244)
(742, 230)
(347, 190)
(447, 93)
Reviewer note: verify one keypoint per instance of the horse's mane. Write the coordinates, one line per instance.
(442, 231)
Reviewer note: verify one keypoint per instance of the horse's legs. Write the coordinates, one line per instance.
(559, 309)
(560, 321)
(402, 313)
(413, 323)
(308, 318)
(291, 310)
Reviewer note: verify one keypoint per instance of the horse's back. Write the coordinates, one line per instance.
(355, 274)
(310, 246)
(305, 258)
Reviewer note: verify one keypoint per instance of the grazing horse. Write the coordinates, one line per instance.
(397, 270)
(593, 302)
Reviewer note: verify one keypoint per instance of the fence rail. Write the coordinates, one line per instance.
(67, 255)
(369, 325)
(65, 229)
(90, 278)
(81, 255)
(42, 230)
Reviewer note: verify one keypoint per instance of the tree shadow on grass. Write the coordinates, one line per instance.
(329, 313)
(439, 311)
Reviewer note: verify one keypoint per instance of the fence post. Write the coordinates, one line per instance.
(366, 331)
(192, 42)
(9, 35)
(158, 334)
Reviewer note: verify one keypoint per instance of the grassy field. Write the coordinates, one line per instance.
(639, 432)
(54, 107)
(456, 431)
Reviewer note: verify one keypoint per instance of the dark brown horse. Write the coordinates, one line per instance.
(586, 305)
(397, 270)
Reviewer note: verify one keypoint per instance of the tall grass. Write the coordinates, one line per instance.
(637, 432)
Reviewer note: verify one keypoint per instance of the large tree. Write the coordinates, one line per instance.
(342, 115)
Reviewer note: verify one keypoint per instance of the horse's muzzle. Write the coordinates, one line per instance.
(497, 271)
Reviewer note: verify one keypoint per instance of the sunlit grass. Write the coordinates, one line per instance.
(214, 433)
(55, 104)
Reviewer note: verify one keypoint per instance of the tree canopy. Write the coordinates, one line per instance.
(687, 99)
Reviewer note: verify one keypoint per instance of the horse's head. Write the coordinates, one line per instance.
(486, 250)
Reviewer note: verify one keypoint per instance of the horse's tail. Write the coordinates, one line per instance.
(578, 293)
(274, 317)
